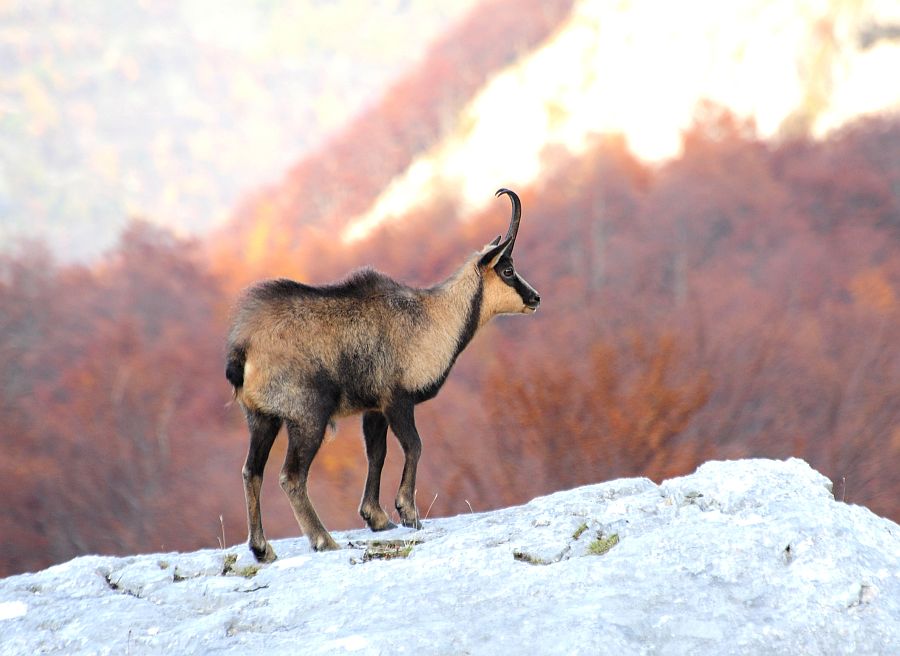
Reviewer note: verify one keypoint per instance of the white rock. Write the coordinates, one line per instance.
(743, 557)
(12, 609)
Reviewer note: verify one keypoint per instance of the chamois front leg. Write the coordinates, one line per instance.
(304, 440)
(263, 429)
(375, 427)
(402, 421)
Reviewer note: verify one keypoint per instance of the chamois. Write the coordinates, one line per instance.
(305, 356)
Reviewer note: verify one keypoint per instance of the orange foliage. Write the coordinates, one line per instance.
(616, 413)
(347, 173)
(739, 301)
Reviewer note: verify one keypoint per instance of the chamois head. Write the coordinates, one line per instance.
(505, 291)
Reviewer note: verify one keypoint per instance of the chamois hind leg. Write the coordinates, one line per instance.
(304, 439)
(375, 433)
(402, 421)
(263, 430)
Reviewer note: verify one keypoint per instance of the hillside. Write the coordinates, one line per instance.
(640, 72)
(739, 299)
(176, 110)
(345, 175)
(472, 115)
(743, 557)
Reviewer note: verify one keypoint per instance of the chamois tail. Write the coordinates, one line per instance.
(234, 367)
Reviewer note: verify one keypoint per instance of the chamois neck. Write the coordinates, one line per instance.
(467, 282)
(460, 296)
(452, 310)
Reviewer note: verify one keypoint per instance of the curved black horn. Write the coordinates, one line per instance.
(514, 219)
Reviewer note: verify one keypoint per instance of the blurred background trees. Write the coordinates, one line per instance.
(737, 300)
(731, 303)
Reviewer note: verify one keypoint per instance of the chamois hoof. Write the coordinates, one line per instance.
(376, 520)
(266, 555)
(324, 543)
(387, 526)
(413, 523)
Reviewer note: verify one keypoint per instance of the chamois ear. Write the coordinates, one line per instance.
(496, 241)
(491, 256)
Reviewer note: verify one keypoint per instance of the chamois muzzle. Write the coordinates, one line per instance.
(530, 297)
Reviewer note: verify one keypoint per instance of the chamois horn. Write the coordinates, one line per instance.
(514, 219)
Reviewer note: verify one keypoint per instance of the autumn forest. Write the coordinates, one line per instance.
(741, 300)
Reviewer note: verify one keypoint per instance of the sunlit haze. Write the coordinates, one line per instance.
(639, 69)
(175, 111)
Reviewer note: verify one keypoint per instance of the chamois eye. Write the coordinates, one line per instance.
(508, 272)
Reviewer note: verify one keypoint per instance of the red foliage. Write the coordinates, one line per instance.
(110, 428)
(739, 301)
(346, 174)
